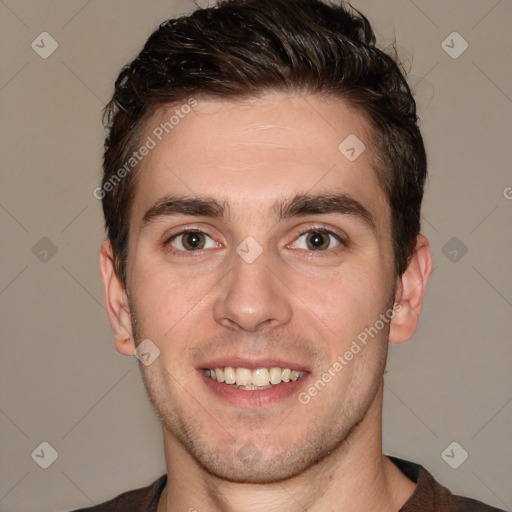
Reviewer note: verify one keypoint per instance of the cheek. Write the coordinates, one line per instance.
(351, 310)
(165, 299)
(345, 298)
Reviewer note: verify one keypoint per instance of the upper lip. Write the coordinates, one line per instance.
(251, 364)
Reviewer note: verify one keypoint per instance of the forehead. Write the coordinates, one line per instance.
(250, 153)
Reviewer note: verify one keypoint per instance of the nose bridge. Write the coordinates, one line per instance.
(252, 296)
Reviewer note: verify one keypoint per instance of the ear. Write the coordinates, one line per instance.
(411, 289)
(116, 300)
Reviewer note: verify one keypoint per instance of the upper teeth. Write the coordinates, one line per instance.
(261, 377)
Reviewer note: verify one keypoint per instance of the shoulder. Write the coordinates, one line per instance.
(144, 499)
(431, 496)
(462, 504)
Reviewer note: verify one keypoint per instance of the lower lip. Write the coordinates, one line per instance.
(256, 397)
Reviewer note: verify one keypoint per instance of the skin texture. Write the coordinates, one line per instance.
(292, 303)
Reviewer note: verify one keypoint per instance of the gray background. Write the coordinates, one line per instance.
(62, 381)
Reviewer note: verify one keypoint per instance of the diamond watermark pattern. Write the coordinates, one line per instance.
(44, 45)
(351, 147)
(146, 352)
(204, 4)
(249, 454)
(249, 250)
(45, 455)
(44, 250)
(454, 45)
(454, 249)
(454, 455)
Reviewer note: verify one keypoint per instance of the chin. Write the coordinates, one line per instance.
(247, 464)
(264, 471)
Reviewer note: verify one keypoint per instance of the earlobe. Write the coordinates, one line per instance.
(116, 301)
(411, 290)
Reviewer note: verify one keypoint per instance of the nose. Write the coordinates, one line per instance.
(252, 297)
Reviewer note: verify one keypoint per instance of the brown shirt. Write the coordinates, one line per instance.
(429, 496)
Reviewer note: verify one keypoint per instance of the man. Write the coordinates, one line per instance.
(263, 177)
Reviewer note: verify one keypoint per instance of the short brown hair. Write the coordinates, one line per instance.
(243, 48)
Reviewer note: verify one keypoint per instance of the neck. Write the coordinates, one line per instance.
(355, 476)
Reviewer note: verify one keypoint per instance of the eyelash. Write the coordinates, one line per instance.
(324, 231)
(187, 254)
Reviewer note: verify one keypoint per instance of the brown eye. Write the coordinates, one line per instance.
(192, 241)
(318, 240)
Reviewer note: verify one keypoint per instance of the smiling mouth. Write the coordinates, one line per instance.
(250, 380)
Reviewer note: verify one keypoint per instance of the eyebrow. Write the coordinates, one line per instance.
(296, 206)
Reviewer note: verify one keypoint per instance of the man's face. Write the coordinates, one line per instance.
(295, 295)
